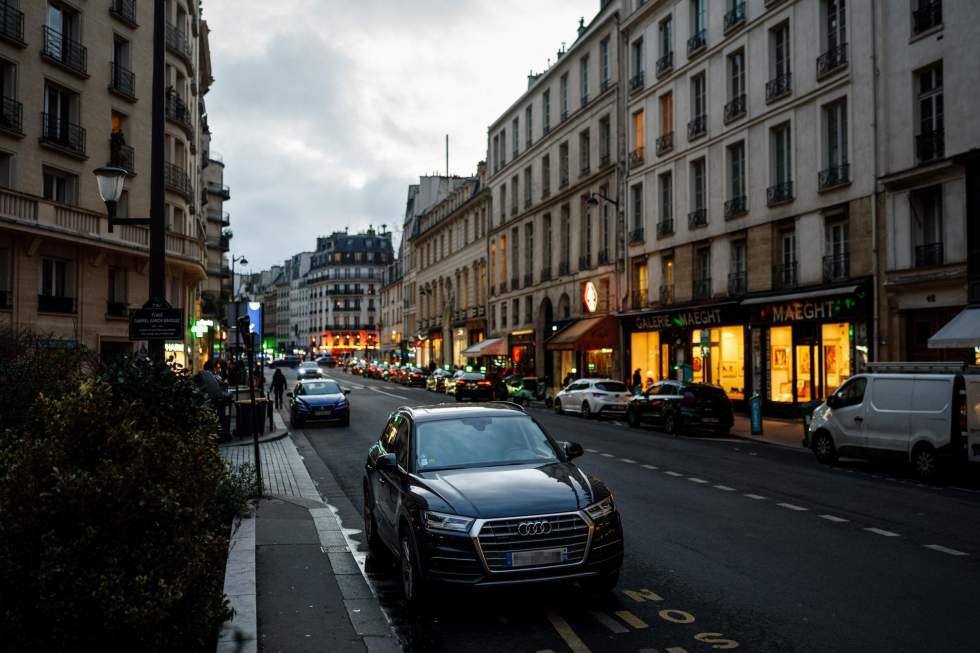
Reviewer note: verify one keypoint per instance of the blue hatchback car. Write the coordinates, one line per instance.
(318, 400)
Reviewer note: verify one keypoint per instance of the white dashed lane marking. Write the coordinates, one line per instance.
(674, 474)
(946, 549)
(757, 497)
(607, 455)
(724, 488)
(627, 460)
(592, 450)
(883, 533)
(792, 506)
(697, 480)
(834, 518)
(653, 467)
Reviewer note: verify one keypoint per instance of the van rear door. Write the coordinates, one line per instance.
(973, 418)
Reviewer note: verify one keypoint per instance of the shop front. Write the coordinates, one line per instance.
(584, 349)
(705, 344)
(436, 347)
(521, 350)
(486, 354)
(807, 344)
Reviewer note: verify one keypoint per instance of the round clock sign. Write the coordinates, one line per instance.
(590, 297)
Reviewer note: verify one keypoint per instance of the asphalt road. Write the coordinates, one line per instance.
(729, 545)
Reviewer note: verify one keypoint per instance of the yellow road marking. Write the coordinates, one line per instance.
(609, 622)
(676, 616)
(676, 649)
(643, 595)
(565, 631)
(545, 650)
(632, 619)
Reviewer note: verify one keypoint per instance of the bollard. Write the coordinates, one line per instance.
(755, 414)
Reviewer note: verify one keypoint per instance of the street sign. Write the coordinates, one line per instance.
(156, 324)
(705, 341)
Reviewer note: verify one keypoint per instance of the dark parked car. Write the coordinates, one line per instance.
(473, 385)
(318, 400)
(437, 381)
(677, 407)
(326, 361)
(308, 370)
(413, 376)
(482, 496)
(286, 361)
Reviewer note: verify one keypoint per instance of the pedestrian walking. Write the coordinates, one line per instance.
(637, 379)
(278, 386)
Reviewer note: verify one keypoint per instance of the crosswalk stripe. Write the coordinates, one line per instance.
(632, 619)
(609, 622)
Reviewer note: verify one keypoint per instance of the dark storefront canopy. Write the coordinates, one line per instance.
(586, 335)
(488, 347)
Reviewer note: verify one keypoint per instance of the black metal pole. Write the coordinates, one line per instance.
(158, 253)
(243, 322)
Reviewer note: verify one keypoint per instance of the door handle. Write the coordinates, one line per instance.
(859, 419)
(381, 479)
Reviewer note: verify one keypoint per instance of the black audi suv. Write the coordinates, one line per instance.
(480, 495)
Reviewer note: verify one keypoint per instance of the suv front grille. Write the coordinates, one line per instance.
(498, 537)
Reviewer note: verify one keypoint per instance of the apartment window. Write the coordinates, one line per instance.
(529, 309)
(60, 119)
(528, 253)
(515, 311)
(698, 216)
(529, 124)
(780, 79)
(57, 278)
(6, 301)
(503, 315)
(604, 228)
(926, 207)
(636, 64)
(667, 279)
(786, 271)
(667, 199)
(583, 79)
(926, 14)
(11, 111)
(60, 186)
(496, 153)
(782, 171)
(666, 29)
(563, 96)
(604, 140)
(546, 110)
(666, 113)
(836, 169)
(61, 37)
(527, 186)
(493, 316)
(604, 70)
(584, 151)
(566, 238)
(699, 107)
(513, 195)
(636, 204)
(702, 273)
(503, 147)
(736, 106)
(546, 175)
(503, 203)
(736, 203)
(117, 287)
(699, 26)
(835, 22)
(515, 148)
(930, 141)
(515, 255)
(739, 266)
(6, 170)
(836, 263)
(563, 164)
(546, 249)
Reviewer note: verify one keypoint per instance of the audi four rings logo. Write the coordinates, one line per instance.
(534, 528)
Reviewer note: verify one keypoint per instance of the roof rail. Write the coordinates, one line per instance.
(507, 404)
(923, 367)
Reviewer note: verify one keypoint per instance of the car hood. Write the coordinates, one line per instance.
(511, 491)
(320, 400)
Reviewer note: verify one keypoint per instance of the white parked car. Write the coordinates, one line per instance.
(916, 418)
(589, 397)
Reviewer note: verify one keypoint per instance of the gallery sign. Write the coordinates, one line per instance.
(686, 318)
(820, 310)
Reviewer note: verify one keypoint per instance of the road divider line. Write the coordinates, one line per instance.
(390, 395)
(607, 455)
(609, 622)
(792, 506)
(632, 619)
(757, 497)
(592, 450)
(834, 518)
(724, 488)
(627, 460)
(565, 631)
(697, 480)
(674, 474)
(653, 467)
(946, 549)
(883, 533)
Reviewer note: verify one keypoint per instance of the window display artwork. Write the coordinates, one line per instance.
(781, 377)
(723, 362)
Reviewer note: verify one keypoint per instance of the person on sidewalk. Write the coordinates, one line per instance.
(220, 399)
(637, 380)
(278, 386)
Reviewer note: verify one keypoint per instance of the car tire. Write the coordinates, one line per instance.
(413, 585)
(558, 410)
(633, 418)
(824, 449)
(672, 424)
(295, 423)
(602, 584)
(345, 421)
(925, 462)
(586, 410)
(371, 537)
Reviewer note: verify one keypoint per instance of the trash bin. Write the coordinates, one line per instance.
(806, 410)
(243, 413)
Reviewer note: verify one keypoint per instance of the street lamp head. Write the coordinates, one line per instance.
(593, 200)
(111, 179)
(243, 260)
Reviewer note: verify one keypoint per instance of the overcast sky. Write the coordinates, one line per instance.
(325, 110)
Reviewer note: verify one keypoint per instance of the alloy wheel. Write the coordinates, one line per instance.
(925, 463)
(408, 572)
(670, 425)
(586, 410)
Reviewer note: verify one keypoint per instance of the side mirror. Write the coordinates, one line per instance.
(834, 401)
(573, 450)
(289, 394)
(346, 391)
(387, 462)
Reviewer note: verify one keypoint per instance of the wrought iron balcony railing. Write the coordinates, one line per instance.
(123, 156)
(637, 82)
(124, 10)
(737, 283)
(697, 43)
(667, 294)
(784, 276)
(585, 262)
(636, 236)
(736, 206)
(779, 87)
(528, 279)
(177, 111)
(927, 16)
(665, 143)
(12, 115)
(564, 269)
(665, 64)
(603, 258)
(836, 267)
(62, 134)
(735, 16)
(638, 298)
(545, 274)
(116, 309)
(178, 42)
(176, 180)
(779, 193)
(122, 80)
(637, 157)
(929, 255)
(55, 304)
(834, 176)
(832, 60)
(697, 218)
(585, 169)
(65, 51)
(12, 25)
(702, 288)
(930, 146)
(735, 108)
(697, 127)
(604, 159)
(665, 227)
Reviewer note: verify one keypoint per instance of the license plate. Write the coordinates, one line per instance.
(710, 420)
(324, 412)
(471, 386)
(539, 557)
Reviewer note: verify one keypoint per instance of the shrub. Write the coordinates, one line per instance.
(116, 512)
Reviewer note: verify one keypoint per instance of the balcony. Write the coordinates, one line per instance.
(12, 25)
(735, 17)
(122, 156)
(502, 287)
(637, 157)
(697, 127)
(563, 179)
(53, 304)
(219, 189)
(63, 135)
(527, 203)
(515, 282)
(834, 176)
(737, 206)
(665, 143)
(604, 159)
(116, 309)
(176, 180)
(665, 64)
(176, 111)
(697, 218)
(779, 87)
(563, 116)
(638, 298)
(927, 17)
(930, 146)
(585, 262)
(832, 60)
(836, 267)
(65, 52)
(929, 255)
(784, 276)
(585, 169)
(125, 11)
(779, 193)
(636, 236)
(177, 43)
(737, 283)
(667, 294)
(122, 81)
(584, 100)
(528, 279)
(12, 116)
(604, 85)
(564, 269)
(545, 274)
(665, 227)
(702, 289)
(697, 43)
(637, 82)
(603, 258)
(735, 108)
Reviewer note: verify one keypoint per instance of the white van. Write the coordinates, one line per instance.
(918, 413)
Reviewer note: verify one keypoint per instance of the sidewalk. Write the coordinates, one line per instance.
(781, 432)
(291, 577)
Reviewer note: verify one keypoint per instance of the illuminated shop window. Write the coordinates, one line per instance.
(836, 356)
(645, 356)
(780, 360)
(723, 364)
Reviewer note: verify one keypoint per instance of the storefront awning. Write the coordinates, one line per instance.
(586, 335)
(799, 296)
(488, 347)
(962, 332)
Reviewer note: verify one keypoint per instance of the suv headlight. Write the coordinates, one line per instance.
(600, 509)
(440, 521)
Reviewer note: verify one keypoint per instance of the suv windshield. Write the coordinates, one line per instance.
(481, 442)
(319, 388)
